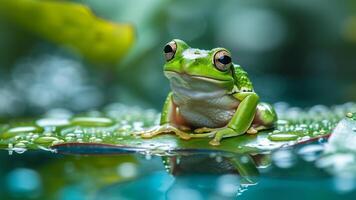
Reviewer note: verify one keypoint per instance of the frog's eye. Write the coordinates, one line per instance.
(222, 60)
(170, 50)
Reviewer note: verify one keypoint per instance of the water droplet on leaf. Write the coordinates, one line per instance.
(92, 121)
(45, 122)
(282, 137)
(45, 140)
(20, 130)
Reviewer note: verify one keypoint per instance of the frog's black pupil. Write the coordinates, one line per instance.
(225, 60)
(168, 49)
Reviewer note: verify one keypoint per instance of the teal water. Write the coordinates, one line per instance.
(297, 173)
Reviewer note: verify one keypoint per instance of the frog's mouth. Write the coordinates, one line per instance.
(195, 81)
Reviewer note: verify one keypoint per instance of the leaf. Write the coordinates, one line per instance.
(171, 145)
(72, 25)
(112, 131)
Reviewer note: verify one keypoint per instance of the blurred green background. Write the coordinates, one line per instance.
(299, 51)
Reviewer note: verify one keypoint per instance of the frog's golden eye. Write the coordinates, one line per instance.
(222, 60)
(170, 50)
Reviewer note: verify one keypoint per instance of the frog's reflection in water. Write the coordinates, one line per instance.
(218, 176)
(193, 176)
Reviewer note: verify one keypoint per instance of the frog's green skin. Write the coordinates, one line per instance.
(212, 102)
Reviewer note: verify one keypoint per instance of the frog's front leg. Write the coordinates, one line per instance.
(241, 120)
(169, 122)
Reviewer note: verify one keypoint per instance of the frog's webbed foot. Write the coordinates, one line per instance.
(204, 130)
(165, 128)
(217, 133)
(223, 133)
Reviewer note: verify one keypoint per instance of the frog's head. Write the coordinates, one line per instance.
(213, 66)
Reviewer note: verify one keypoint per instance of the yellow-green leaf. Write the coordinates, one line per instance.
(71, 25)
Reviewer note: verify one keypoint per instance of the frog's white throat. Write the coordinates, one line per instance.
(195, 87)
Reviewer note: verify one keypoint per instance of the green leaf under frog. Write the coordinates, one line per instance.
(113, 131)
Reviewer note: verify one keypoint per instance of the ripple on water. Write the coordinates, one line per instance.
(23, 182)
(311, 152)
(284, 158)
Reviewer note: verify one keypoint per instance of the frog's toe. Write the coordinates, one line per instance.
(214, 142)
(183, 135)
(151, 133)
(252, 131)
(203, 135)
(223, 133)
(154, 131)
(203, 130)
(180, 133)
(148, 135)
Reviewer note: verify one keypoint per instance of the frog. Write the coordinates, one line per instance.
(210, 97)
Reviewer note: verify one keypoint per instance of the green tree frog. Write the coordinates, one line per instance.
(210, 96)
